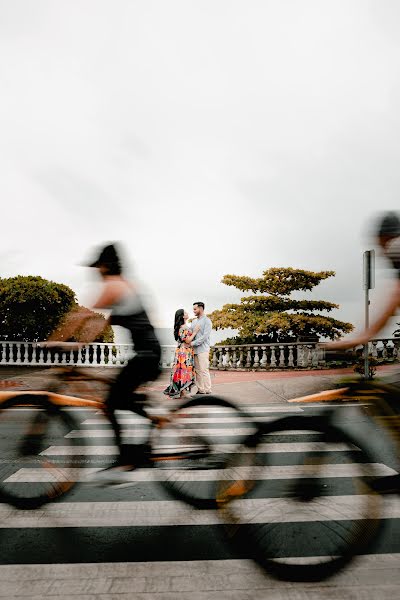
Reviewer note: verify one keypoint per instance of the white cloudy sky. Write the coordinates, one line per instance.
(210, 137)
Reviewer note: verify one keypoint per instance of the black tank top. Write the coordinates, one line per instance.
(130, 314)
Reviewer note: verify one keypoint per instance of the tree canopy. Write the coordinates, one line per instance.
(274, 315)
(31, 308)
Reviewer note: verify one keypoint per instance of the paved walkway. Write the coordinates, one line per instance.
(255, 387)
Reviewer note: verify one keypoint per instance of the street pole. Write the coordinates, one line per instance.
(369, 284)
(366, 345)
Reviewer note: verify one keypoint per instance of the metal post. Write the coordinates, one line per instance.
(369, 283)
(366, 346)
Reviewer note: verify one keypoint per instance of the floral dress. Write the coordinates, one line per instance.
(182, 373)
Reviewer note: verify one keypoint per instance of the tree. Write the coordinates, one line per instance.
(31, 308)
(274, 316)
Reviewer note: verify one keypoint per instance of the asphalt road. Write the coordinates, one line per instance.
(136, 541)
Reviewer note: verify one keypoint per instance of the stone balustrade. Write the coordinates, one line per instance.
(267, 356)
(89, 355)
(298, 355)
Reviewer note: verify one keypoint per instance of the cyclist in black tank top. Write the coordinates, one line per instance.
(127, 311)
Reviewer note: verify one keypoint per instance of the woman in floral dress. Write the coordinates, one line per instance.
(182, 374)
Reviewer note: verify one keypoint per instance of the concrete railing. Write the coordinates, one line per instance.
(266, 356)
(299, 355)
(31, 354)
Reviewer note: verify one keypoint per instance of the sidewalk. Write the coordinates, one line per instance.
(247, 387)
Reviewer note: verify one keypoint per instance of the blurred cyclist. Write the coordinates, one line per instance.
(122, 298)
(388, 237)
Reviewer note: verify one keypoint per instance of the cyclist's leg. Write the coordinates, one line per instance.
(140, 369)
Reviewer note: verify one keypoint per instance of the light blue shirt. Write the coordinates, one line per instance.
(201, 342)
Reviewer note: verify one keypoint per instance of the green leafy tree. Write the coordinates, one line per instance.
(274, 315)
(31, 308)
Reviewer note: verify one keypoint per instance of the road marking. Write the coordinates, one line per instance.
(162, 571)
(257, 473)
(189, 419)
(108, 433)
(175, 513)
(261, 448)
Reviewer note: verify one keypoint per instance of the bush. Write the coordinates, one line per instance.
(32, 307)
(372, 364)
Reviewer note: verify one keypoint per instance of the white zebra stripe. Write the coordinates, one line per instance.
(55, 474)
(174, 513)
(191, 420)
(261, 448)
(108, 433)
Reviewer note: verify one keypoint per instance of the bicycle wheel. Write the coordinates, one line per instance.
(32, 472)
(299, 500)
(190, 453)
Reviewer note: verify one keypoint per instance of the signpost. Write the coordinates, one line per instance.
(368, 284)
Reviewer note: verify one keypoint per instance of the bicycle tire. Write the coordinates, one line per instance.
(30, 474)
(295, 547)
(193, 457)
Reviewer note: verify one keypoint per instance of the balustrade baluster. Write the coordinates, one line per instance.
(41, 357)
(248, 358)
(102, 359)
(256, 363)
(79, 359)
(299, 358)
(291, 357)
(18, 361)
(241, 358)
(122, 355)
(25, 360)
(263, 361)
(118, 355)
(384, 349)
(34, 356)
(273, 357)
(282, 356)
(374, 349)
(3, 353)
(234, 359)
(314, 356)
(64, 357)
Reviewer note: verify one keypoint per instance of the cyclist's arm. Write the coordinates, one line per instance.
(377, 325)
(111, 293)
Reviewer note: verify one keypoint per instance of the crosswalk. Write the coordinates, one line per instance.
(142, 523)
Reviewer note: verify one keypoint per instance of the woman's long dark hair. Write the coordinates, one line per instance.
(179, 320)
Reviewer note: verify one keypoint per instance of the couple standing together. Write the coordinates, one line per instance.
(191, 363)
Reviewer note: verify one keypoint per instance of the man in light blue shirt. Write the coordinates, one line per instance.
(201, 347)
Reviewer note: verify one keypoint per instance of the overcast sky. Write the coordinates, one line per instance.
(210, 137)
